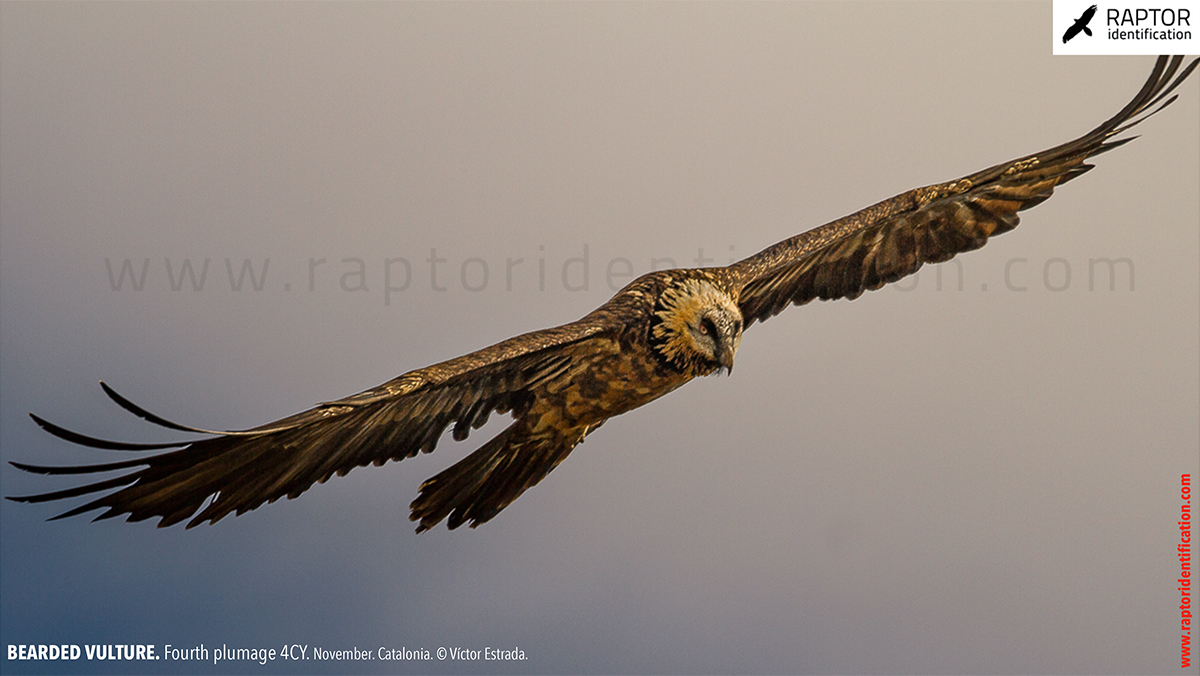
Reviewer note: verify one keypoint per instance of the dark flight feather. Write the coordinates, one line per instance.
(894, 238)
(393, 421)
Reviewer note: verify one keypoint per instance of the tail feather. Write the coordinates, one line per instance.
(478, 487)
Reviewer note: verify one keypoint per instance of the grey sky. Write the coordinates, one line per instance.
(935, 479)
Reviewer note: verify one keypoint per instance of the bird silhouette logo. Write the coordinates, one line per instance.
(1081, 24)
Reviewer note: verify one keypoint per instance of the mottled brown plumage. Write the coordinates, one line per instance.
(559, 384)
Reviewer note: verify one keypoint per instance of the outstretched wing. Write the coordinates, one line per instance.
(894, 238)
(237, 471)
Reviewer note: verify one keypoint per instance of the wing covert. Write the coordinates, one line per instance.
(894, 238)
(237, 471)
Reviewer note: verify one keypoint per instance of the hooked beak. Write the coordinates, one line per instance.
(725, 359)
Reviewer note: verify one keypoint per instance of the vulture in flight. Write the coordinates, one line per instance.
(560, 384)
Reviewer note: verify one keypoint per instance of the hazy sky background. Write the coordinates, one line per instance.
(953, 479)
